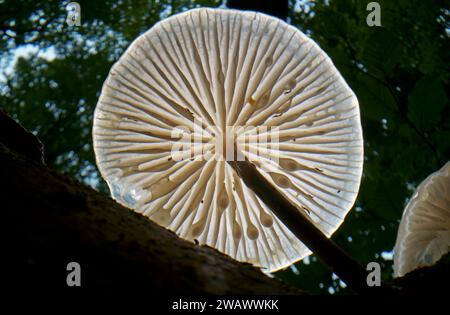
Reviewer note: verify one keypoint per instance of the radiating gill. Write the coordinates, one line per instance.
(288, 164)
(252, 231)
(281, 180)
(222, 200)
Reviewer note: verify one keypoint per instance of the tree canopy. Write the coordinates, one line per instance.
(52, 73)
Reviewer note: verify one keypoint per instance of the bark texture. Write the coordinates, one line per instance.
(52, 220)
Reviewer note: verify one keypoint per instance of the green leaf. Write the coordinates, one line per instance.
(382, 52)
(375, 99)
(426, 102)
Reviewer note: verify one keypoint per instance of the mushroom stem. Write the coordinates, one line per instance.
(352, 273)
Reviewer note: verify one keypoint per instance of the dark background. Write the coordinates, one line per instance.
(51, 75)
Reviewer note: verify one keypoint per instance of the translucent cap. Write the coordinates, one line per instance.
(424, 233)
(207, 78)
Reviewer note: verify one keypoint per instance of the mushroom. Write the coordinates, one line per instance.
(185, 84)
(424, 233)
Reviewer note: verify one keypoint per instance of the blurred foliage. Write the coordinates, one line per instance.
(399, 72)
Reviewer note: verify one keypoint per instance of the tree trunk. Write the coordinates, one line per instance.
(52, 220)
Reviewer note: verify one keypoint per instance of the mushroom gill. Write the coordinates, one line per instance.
(163, 122)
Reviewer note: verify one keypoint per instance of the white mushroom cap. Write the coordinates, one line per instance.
(229, 68)
(424, 233)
